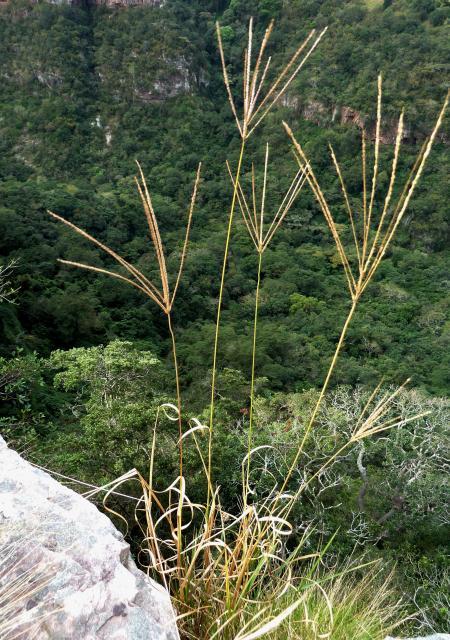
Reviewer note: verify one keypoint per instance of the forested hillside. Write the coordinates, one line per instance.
(86, 92)
(86, 362)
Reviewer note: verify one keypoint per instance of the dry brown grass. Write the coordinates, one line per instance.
(21, 579)
(233, 577)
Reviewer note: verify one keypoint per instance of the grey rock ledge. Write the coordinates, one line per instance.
(94, 591)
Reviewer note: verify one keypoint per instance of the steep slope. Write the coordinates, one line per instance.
(86, 91)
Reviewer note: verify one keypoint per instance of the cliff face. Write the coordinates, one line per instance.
(106, 3)
(128, 3)
(324, 116)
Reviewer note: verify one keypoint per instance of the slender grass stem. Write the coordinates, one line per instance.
(177, 383)
(180, 439)
(219, 310)
(252, 387)
(322, 393)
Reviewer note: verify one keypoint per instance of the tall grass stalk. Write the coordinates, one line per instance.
(255, 108)
(163, 295)
(246, 479)
(219, 312)
(370, 243)
(253, 214)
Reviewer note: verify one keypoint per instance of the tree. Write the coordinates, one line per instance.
(114, 395)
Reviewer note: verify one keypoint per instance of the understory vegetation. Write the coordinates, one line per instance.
(263, 410)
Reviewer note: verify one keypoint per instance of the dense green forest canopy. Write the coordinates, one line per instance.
(85, 92)
(85, 361)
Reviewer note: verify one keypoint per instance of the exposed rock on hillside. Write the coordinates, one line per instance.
(119, 3)
(435, 636)
(107, 3)
(324, 115)
(93, 589)
(128, 3)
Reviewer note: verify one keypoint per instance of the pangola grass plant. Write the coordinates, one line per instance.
(236, 575)
(163, 295)
(372, 238)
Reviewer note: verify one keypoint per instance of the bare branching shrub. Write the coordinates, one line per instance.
(7, 289)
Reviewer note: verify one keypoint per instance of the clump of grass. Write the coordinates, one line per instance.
(230, 573)
(346, 606)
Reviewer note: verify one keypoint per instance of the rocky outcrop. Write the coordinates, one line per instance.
(352, 116)
(323, 115)
(316, 112)
(435, 636)
(106, 3)
(127, 3)
(76, 579)
(176, 84)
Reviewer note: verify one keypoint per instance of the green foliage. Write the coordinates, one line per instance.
(87, 92)
(305, 304)
(227, 33)
(114, 395)
(23, 398)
